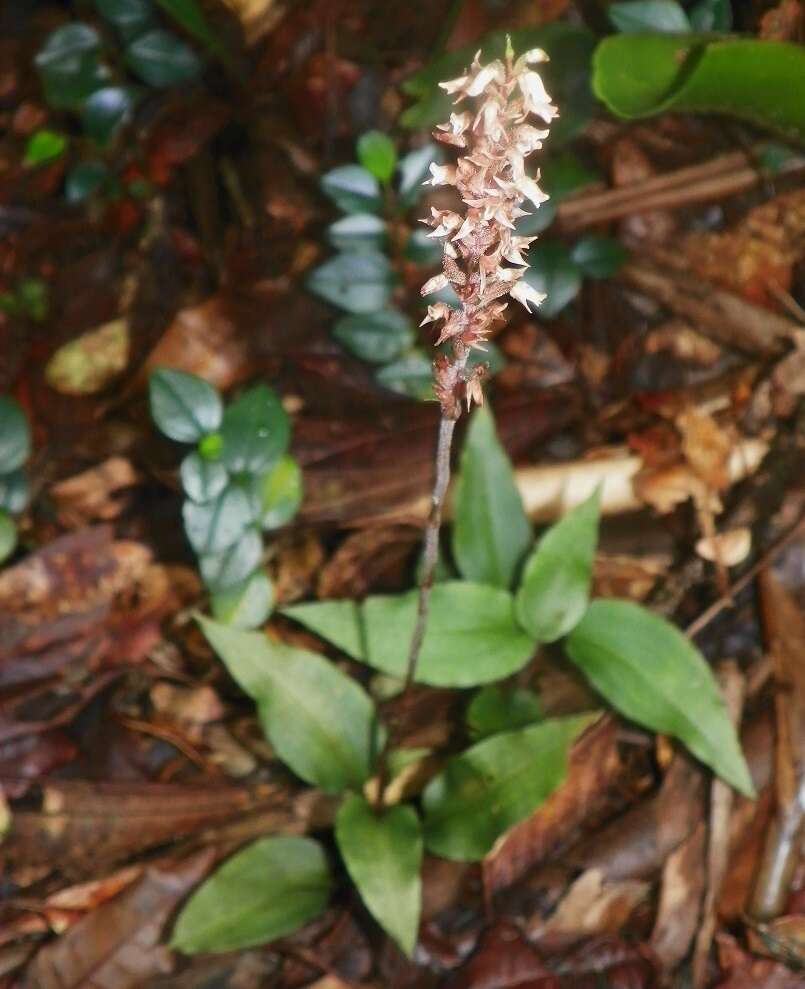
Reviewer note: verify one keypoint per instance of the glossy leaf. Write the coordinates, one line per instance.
(494, 784)
(555, 587)
(711, 15)
(106, 111)
(758, 81)
(497, 708)
(254, 430)
(184, 406)
(377, 337)
(68, 65)
(353, 189)
(554, 273)
(662, 16)
(279, 493)
(410, 375)
(472, 636)
(246, 605)
(650, 672)
(413, 169)
(202, 479)
(383, 855)
(130, 17)
(43, 146)
(491, 531)
(377, 154)
(319, 721)
(14, 492)
(214, 526)
(85, 179)
(359, 282)
(15, 436)
(357, 232)
(8, 536)
(189, 14)
(226, 570)
(162, 59)
(264, 891)
(598, 257)
(421, 249)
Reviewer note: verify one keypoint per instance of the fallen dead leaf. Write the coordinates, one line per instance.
(729, 548)
(96, 494)
(86, 365)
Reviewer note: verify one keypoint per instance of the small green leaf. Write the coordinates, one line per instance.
(211, 446)
(189, 15)
(661, 16)
(358, 281)
(377, 337)
(129, 17)
(353, 189)
(383, 855)
(202, 479)
(357, 232)
(8, 536)
(106, 111)
(215, 525)
(491, 531)
(162, 59)
(255, 431)
(555, 587)
(413, 169)
(410, 375)
(68, 65)
(84, 180)
(32, 295)
(246, 605)
(652, 674)
(496, 783)
(320, 722)
(184, 406)
(280, 493)
(263, 892)
(497, 708)
(15, 436)
(711, 15)
(553, 272)
(14, 492)
(223, 571)
(377, 154)
(598, 257)
(471, 638)
(43, 146)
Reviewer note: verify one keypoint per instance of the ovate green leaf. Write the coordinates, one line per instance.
(497, 708)
(375, 337)
(214, 526)
(410, 375)
(598, 257)
(660, 16)
(202, 479)
(254, 430)
(44, 146)
(15, 436)
(279, 493)
(184, 406)
(163, 59)
(223, 571)
(14, 492)
(247, 604)
(353, 189)
(377, 154)
(358, 281)
(554, 273)
(357, 232)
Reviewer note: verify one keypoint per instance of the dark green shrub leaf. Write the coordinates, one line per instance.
(773, 157)
(162, 59)
(598, 257)
(421, 249)
(8, 536)
(652, 674)
(264, 891)
(280, 493)
(68, 65)
(84, 180)
(413, 169)
(383, 855)
(711, 15)
(357, 232)
(255, 431)
(15, 436)
(642, 75)
(184, 406)
(202, 479)
(553, 272)
(537, 221)
(130, 17)
(555, 586)
(493, 785)
(106, 111)
(491, 532)
(43, 146)
(246, 605)
(14, 492)
(376, 337)
(214, 526)
(359, 282)
(410, 375)
(662, 16)
(189, 14)
(377, 154)
(319, 721)
(472, 636)
(497, 708)
(225, 570)
(353, 189)
(564, 173)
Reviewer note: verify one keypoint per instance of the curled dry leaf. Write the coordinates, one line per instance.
(728, 548)
(95, 494)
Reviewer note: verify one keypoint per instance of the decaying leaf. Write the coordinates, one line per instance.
(87, 365)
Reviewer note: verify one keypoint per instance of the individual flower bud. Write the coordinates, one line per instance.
(527, 294)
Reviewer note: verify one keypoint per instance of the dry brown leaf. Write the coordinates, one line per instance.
(96, 494)
(706, 447)
(729, 548)
(193, 705)
(680, 898)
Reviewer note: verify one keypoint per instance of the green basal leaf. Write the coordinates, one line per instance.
(661, 16)
(247, 605)
(353, 189)
(555, 587)
(410, 375)
(598, 257)
(413, 169)
(652, 674)
(44, 146)
(107, 110)
(377, 337)
(358, 281)
(214, 526)
(184, 406)
(357, 232)
(14, 492)
(263, 892)
(223, 571)
(497, 708)
(640, 75)
(319, 721)
(84, 180)
(472, 636)
(254, 430)
(202, 479)
(68, 65)
(163, 59)
(377, 154)
(15, 436)
(129, 17)
(496, 783)
(491, 531)
(383, 855)
(554, 273)
(8, 536)
(279, 493)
